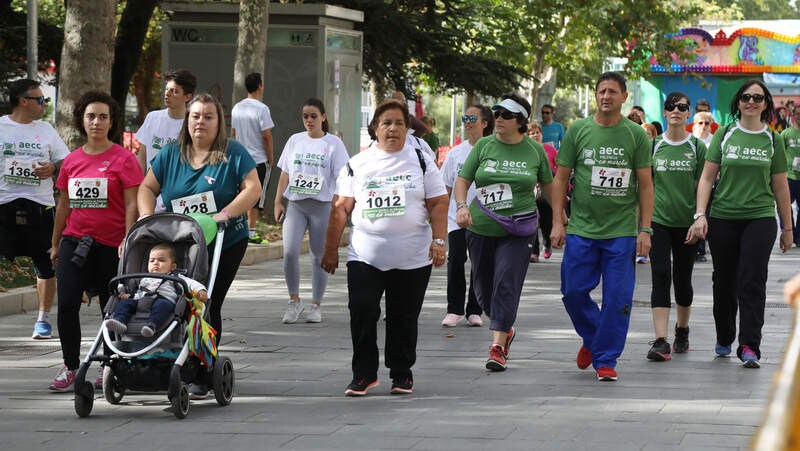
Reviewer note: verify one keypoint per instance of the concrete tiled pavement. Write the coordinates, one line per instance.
(290, 380)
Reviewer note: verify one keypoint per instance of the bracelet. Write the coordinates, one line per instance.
(460, 205)
(648, 230)
(226, 213)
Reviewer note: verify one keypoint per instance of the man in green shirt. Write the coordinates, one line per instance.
(791, 139)
(610, 158)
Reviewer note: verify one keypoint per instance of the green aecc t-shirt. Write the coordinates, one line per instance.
(676, 169)
(747, 161)
(504, 175)
(605, 188)
(791, 140)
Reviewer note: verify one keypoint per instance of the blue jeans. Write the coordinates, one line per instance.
(603, 330)
(160, 311)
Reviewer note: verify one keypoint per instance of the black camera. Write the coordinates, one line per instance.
(82, 251)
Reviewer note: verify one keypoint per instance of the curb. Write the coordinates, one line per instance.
(24, 299)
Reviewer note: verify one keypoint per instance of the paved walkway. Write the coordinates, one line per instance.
(290, 380)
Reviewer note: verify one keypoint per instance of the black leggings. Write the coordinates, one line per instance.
(101, 265)
(741, 249)
(229, 262)
(666, 241)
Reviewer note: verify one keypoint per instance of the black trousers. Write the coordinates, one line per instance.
(405, 291)
(229, 262)
(666, 242)
(101, 265)
(741, 250)
(545, 225)
(456, 277)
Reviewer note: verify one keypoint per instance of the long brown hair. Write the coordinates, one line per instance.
(219, 147)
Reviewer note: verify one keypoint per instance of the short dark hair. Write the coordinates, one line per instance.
(547, 105)
(165, 247)
(769, 112)
(674, 96)
(18, 88)
(98, 97)
(638, 108)
(252, 82)
(318, 104)
(703, 102)
(613, 76)
(386, 105)
(522, 121)
(182, 78)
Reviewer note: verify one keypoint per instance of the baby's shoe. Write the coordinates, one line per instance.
(149, 329)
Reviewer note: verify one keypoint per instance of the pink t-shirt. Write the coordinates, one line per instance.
(98, 182)
(551, 156)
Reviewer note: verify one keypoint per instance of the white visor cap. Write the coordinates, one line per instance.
(512, 106)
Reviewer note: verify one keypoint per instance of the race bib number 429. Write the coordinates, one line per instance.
(88, 193)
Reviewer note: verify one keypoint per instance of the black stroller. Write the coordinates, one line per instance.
(161, 362)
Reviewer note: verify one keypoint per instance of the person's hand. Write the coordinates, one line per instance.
(202, 296)
(558, 235)
(787, 239)
(221, 217)
(54, 254)
(643, 244)
(123, 296)
(463, 217)
(437, 254)
(45, 170)
(279, 211)
(791, 290)
(697, 231)
(330, 261)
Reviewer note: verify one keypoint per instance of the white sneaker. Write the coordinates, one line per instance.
(314, 314)
(474, 320)
(293, 312)
(451, 320)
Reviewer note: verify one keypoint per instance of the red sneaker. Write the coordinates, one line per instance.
(606, 373)
(584, 359)
(497, 359)
(509, 338)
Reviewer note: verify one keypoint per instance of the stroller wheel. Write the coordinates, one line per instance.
(111, 388)
(180, 402)
(223, 381)
(84, 399)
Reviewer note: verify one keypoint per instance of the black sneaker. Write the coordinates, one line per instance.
(659, 352)
(681, 343)
(359, 387)
(402, 386)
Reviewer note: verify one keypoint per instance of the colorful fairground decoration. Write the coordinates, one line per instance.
(740, 51)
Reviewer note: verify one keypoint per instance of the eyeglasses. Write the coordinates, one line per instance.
(682, 107)
(471, 118)
(757, 98)
(505, 114)
(41, 100)
(546, 112)
(704, 123)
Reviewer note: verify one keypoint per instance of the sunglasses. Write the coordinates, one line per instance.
(471, 118)
(41, 100)
(704, 123)
(757, 98)
(505, 114)
(682, 107)
(546, 112)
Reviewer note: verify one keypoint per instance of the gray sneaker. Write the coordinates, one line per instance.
(293, 312)
(314, 314)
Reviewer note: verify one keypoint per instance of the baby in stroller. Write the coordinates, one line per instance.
(161, 260)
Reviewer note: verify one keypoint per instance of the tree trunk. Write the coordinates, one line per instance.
(85, 59)
(251, 46)
(545, 90)
(128, 47)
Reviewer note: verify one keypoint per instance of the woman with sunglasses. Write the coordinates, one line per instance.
(478, 122)
(678, 161)
(545, 212)
(310, 162)
(505, 168)
(751, 164)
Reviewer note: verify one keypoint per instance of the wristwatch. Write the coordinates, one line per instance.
(698, 214)
(438, 241)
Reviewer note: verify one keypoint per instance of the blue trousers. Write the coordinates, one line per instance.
(160, 312)
(603, 329)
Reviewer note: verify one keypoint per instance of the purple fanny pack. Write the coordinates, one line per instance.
(521, 224)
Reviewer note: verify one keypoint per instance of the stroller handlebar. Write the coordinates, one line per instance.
(112, 284)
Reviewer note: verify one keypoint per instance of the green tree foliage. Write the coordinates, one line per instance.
(762, 9)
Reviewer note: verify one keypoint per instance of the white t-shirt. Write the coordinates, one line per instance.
(158, 130)
(250, 117)
(312, 165)
(390, 221)
(23, 145)
(452, 165)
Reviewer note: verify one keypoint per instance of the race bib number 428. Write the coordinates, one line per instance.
(196, 203)
(88, 193)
